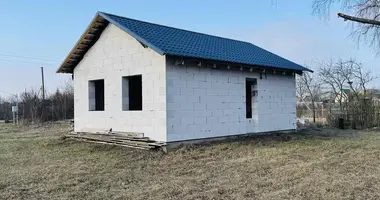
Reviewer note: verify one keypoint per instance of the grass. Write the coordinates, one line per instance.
(36, 164)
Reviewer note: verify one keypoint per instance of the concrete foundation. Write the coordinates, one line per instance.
(170, 146)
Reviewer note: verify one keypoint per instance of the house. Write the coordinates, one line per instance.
(175, 85)
(376, 95)
(343, 96)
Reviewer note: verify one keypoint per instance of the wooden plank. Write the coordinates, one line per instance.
(75, 56)
(130, 145)
(83, 45)
(116, 135)
(129, 139)
(128, 134)
(117, 138)
(99, 25)
(95, 29)
(79, 50)
(111, 142)
(83, 48)
(91, 36)
(114, 140)
(85, 40)
(137, 147)
(137, 142)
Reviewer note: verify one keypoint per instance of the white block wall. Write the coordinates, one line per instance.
(179, 102)
(204, 102)
(114, 55)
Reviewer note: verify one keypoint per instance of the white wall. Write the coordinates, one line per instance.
(114, 55)
(204, 102)
(179, 103)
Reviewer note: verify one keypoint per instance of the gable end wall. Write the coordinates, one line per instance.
(114, 55)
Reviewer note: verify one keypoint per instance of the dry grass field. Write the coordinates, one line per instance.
(327, 164)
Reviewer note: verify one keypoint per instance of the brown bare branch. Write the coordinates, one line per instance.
(358, 19)
(363, 14)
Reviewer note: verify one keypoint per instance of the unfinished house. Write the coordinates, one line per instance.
(173, 85)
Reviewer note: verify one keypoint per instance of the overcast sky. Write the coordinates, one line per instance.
(41, 33)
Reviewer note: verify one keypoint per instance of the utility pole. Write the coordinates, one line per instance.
(43, 83)
(43, 94)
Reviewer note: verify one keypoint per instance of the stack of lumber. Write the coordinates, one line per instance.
(118, 140)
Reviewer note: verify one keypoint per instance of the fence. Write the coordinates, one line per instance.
(305, 110)
(356, 114)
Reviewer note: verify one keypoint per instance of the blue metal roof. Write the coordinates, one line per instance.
(178, 42)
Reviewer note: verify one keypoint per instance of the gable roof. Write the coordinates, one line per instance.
(177, 42)
(346, 91)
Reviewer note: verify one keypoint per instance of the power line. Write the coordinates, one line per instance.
(28, 57)
(28, 62)
(7, 93)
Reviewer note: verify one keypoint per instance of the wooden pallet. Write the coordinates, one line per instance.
(118, 140)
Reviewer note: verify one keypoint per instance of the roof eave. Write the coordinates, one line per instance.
(240, 64)
(307, 70)
(85, 42)
(303, 69)
(69, 63)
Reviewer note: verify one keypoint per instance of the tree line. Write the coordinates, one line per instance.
(58, 105)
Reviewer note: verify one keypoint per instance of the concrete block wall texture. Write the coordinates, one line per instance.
(179, 102)
(205, 102)
(114, 55)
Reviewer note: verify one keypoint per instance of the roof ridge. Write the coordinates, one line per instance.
(181, 29)
(167, 40)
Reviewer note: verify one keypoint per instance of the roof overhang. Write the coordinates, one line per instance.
(89, 38)
(86, 41)
(96, 28)
(218, 64)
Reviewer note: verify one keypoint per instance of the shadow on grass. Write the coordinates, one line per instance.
(274, 138)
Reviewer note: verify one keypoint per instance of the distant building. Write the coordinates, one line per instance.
(343, 96)
(376, 95)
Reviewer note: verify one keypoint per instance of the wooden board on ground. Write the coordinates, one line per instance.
(117, 140)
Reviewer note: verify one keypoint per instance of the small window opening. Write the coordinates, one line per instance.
(96, 95)
(250, 93)
(132, 92)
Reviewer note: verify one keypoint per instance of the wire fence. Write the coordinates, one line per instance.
(356, 114)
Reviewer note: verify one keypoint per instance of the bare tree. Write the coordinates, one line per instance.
(308, 86)
(330, 74)
(62, 103)
(300, 89)
(357, 77)
(363, 13)
(346, 70)
(341, 74)
(5, 109)
(361, 75)
(31, 102)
